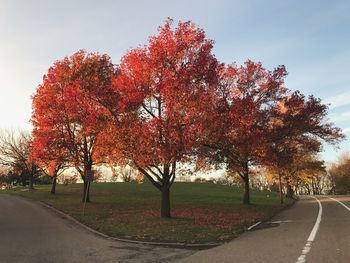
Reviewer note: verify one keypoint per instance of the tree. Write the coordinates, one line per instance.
(48, 154)
(298, 129)
(159, 87)
(301, 168)
(340, 174)
(258, 121)
(15, 151)
(66, 115)
(238, 135)
(5, 175)
(127, 174)
(311, 176)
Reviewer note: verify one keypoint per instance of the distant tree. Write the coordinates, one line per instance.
(311, 176)
(326, 183)
(127, 174)
(199, 180)
(340, 174)
(69, 178)
(301, 170)
(4, 171)
(259, 180)
(98, 175)
(124, 171)
(139, 178)
(15, 148)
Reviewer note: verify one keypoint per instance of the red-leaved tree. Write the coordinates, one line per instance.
(259, 122)
(298, 129)
(66, 115)
(238, 135)
(48, 154)
(156, 94)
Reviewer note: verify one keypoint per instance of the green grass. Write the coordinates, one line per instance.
(200, 212)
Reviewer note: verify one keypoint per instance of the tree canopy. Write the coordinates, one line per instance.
(168, 102)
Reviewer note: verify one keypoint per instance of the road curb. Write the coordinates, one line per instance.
(252, 227)
(197, 246)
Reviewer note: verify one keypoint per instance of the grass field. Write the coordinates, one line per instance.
(200, 212)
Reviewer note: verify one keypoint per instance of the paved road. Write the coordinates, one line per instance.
(315, 230)
(31, 233)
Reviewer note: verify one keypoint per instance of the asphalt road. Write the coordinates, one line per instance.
(315, 230)
(32, 233)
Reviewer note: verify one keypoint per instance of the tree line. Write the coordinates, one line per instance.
(171, 102)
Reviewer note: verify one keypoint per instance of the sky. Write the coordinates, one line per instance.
(311, 38)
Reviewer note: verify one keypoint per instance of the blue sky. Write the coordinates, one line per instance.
(312, 38)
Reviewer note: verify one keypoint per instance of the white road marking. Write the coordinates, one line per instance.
(345, 206)
(281, 221)
(252, 226)
(312, 235)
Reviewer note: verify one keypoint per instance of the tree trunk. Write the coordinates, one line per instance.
(312, 186)
(165, 189)
(246, 194)
(24, 179)
(290, 192)
(31, 181)
(165, 206)
(316, 189)
(53, 187)
(308, 189)
(280, 187)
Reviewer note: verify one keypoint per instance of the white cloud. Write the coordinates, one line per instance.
(345, 116)
(339, 100)
(346, 130)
